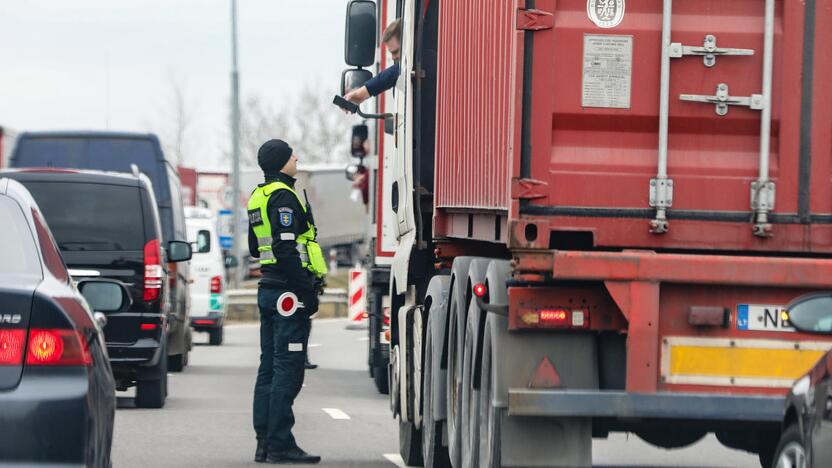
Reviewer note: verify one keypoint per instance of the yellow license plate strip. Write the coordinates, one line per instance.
(737, 362)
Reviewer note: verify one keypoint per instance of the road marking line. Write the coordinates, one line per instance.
(314, 345)
(335, 413)
(395, 459)
(363, 338)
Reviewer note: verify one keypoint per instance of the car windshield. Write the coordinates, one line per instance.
(91, 217)
(18, 252)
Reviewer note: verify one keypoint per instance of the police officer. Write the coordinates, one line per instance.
(282, 235)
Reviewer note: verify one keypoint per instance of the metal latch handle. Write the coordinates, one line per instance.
(709, 50)
(722, 99)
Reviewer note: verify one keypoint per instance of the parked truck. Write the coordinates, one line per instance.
(600, 209)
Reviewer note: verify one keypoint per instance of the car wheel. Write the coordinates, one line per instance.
(176, 362)
(790, 451)
(215, 336)
(152, 392)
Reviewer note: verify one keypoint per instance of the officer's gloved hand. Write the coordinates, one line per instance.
(320, 284)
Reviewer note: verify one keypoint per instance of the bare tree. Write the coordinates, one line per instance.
(175, 125)
(317, 130)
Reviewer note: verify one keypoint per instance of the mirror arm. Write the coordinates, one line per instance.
(373, 116)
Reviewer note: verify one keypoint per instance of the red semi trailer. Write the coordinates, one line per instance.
(601, 209)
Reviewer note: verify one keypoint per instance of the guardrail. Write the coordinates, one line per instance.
(336, 296)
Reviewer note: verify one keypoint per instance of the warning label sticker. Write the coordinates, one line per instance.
(608, 71)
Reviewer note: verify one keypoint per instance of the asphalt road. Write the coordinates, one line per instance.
(207, 419)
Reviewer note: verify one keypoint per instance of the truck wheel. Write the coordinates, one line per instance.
(380, 379)
(455, 335)
(470, 396)
(664, 438)
(410, 444)
(490, 416)
(434, 454)
(790, 451)
(215, 336)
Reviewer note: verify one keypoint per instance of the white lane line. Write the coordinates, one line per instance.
(363, 338)
(335, 413)
(395, 459)
(314, 345)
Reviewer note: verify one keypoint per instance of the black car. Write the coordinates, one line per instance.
(57, 395)
(113, 151)
(806, 439)
(106, 226)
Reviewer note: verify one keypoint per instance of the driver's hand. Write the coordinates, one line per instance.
(357, 95)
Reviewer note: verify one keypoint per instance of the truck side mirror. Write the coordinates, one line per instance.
(354, 78)
(360, 37)
(358, 148)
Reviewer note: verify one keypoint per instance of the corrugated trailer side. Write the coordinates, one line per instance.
(477, 123)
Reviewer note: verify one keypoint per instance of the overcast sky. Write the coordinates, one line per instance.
(108, 64)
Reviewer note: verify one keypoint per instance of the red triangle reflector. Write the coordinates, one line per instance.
(546, 376)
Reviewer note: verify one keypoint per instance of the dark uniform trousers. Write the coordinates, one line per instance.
(283, 343)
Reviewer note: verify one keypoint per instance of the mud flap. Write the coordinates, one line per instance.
(545, 442)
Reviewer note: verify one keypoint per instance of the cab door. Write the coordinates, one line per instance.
(401, 190)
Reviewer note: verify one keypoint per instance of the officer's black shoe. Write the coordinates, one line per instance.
(310, 366)
(292, 456)
(261, 452)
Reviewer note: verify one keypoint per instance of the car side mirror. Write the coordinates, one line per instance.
(811, 313)
(360, 134)
(231, 261)
(354, 78)
(360, 33)
(179, 251)
(389, 125)
(105, 295)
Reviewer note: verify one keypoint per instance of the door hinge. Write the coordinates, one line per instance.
(534, 20)
(528, 189)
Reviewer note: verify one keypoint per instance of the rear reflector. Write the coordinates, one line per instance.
(55, 347)
(11, 347)
(545, 376)
(148, 326)
(204, 322)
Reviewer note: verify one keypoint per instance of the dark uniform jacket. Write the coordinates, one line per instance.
(287, 273)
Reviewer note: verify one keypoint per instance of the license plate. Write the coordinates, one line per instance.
(762, 318)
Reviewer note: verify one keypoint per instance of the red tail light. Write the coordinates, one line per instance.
(148, 326)
(386, 314)
(11, 347)
(555, 318)
(53, 347)
(152, 270)
(216, 285)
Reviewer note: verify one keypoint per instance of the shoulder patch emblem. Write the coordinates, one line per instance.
(286, 219)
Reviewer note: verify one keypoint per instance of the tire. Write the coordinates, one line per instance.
(454, 382)
(490, 416)
(410, 444)
(215, 336)
(176, 362)
(434, 454)
(661, 437)
(791, 451)
(380, 379)
(470, 396)
(152, 392)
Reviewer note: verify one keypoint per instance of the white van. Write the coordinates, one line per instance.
(208, 274)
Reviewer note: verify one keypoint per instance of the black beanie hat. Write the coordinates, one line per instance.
(273, 155)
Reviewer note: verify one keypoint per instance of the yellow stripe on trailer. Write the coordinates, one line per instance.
(738, 362)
